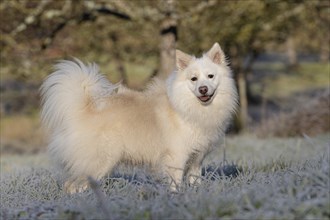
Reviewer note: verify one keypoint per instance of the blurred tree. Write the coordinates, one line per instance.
(137, 30)
(46, 19)
(247, 28)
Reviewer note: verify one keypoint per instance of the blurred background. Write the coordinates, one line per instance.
(278, 50)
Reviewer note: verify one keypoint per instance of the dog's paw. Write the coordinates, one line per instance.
(72, 187)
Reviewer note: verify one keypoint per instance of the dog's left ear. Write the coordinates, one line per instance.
(216, 54)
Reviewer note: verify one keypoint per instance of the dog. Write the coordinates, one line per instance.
(173, 124)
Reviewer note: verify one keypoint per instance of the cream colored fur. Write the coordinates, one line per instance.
(93, 125)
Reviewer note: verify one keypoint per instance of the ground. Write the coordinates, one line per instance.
(279, 179)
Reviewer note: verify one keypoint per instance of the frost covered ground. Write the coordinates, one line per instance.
(279, 179)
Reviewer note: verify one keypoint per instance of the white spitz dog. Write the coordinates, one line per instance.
(93, 124)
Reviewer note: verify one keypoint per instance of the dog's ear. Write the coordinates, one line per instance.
(182, 60)
(216, 54)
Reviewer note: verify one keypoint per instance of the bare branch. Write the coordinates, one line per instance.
(202, 6)
(31, 18)
(89, 14)
(283, 16)
(106, 9)
(52, 35)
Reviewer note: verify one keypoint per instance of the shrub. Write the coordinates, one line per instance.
(310, 118)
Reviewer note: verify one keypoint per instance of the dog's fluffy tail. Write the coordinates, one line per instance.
(70, 89)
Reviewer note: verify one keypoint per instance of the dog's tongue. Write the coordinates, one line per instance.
(204, 98)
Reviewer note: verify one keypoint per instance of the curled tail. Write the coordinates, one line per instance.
(70, 89)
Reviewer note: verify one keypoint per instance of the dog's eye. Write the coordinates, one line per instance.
(194, 78)
(210, 76)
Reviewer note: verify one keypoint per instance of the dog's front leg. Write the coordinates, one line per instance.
(194, 175)
(192, 170)
(175, 168)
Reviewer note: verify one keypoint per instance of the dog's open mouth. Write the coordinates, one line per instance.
(205, 98)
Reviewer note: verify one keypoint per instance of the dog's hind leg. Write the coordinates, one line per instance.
(80, 184)
(96, 168)
(75, 186)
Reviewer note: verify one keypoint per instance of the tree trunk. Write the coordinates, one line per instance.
(168, 32)
(118, 59)
(291, 53)
(241, 69)
(243, 101)
(325, 50)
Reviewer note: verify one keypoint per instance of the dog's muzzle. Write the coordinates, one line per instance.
(204, 98)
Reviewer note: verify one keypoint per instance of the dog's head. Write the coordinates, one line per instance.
(203, 75)
(202, 89)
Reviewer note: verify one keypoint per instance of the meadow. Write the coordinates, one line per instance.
(279, 178)
(274, 167)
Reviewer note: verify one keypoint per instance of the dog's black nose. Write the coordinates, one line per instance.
(203, 90)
